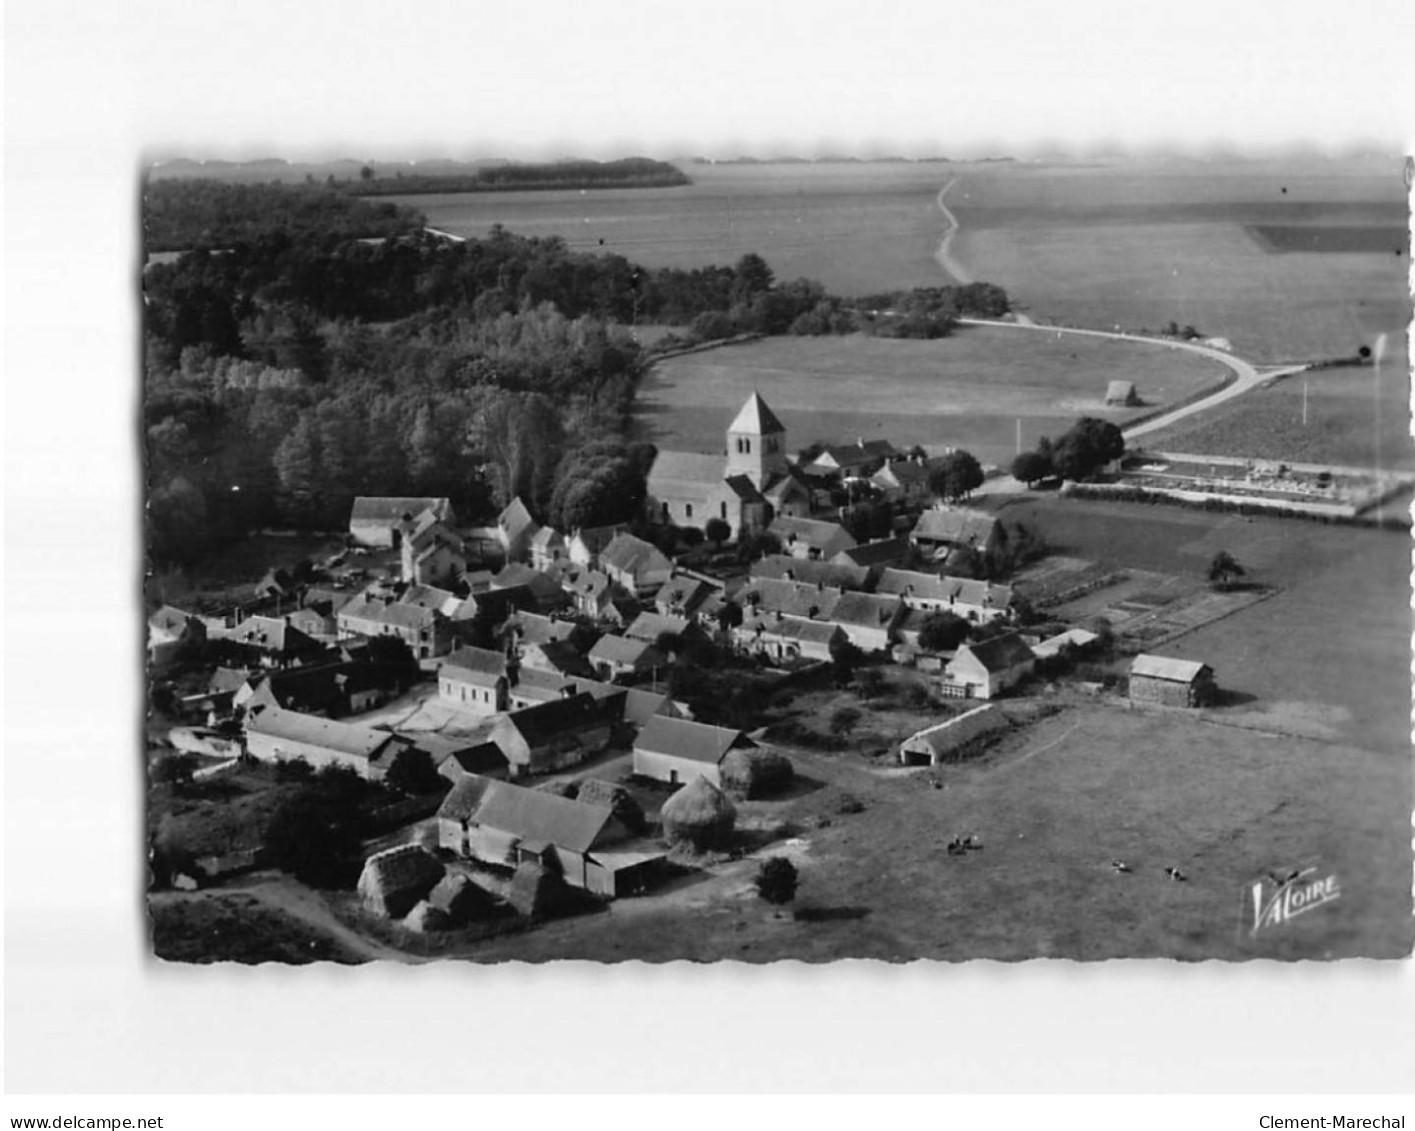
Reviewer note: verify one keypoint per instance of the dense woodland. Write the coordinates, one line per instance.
(303, 365)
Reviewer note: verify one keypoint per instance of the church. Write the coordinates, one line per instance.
(746, 487)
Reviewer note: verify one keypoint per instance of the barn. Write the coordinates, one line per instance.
(677, 751)
(1121, 394)
(1172, 682)
(927, 747)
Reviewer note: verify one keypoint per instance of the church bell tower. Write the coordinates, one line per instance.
(756, 443)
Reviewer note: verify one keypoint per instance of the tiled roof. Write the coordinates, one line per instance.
(936, 587)
(1166, 667)
(687, 467)
(633, 555)
(532, 815)
(866, 609)
(621, 650)
(755, 416)
(831, 573)
(794, 628)
(464, 797)
(796, 598)
(390, 508)
(965, 527)
(480, 666)
(812, 531)
(396, 614)
(346, 738)
(515, 518)
(1000, 653)
(650, 626)
(697, 742)
(881, 552)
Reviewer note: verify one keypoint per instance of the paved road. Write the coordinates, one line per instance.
(1246, 375)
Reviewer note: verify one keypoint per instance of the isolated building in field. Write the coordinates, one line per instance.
(989, 668)
(744, 488)
(1121, 394)
(378, 520)
(1172, 682)
(677, 751)
(934, 744)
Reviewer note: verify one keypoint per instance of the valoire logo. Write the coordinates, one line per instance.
(1278, 899)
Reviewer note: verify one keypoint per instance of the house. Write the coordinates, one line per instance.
(432, 597)
(274, 734)
(876, 555)
(903, 481)
(431, 552)
(476, 679)
(868, 619)
(847, 461)
(456, 759)
(988, 668)
(547, 589)
(743, 488)
(619, 656)
(786, 638)
(507, 825)
(315, 621)
(548, 549)
(170, 631)
(933, 744)
(377, 521)
(332, 690)
(677, 751)
(793, 598)
(834, 574)
(590, 591)
(638, 566)
(490, 609)
(560, 656)
(942, 531)
(425, 631)
(527, 628)
(586, 542)
(682, 595)
(653, 626)
(810, 538)
(556, 734)
(515, 528)
(1172, 682)
(274, 641)
(977, 601)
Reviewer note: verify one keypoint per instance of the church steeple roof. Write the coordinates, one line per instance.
(756, 417)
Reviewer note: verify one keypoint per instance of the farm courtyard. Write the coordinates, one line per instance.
(967, 390)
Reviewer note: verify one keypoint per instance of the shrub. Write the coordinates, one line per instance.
(293, 770)
(776, 880)
(844, 719)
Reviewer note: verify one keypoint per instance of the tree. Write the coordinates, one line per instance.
(1089, 445)
(413, 772)
(776, 880)
(730, 616)
(718, 530)
(1032, 467)
(315, 836)
(1223, 569)
(846, 657)
(955, 475)
(869, 683)
(942, 632)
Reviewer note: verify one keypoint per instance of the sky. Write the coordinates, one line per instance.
(93, 89)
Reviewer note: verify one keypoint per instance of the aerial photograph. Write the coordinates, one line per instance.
(776, 555)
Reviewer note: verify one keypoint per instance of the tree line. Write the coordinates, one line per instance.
(628, 172)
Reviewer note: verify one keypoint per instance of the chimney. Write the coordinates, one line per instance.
(569, 691)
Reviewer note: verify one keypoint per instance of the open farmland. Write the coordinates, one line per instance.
(1356, 417)
(967, 390)
(857, 227)
(1216, 245)
(1327, 656)
(1053, 806)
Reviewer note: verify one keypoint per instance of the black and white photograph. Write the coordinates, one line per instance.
(620, 498)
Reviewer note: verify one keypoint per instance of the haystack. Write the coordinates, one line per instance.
(618, 800)
(755, 773)
(699, 815)
(459, 899)
(1122, 393)
(394, 881)
(566, 789)
(535, 890)
(425, 917)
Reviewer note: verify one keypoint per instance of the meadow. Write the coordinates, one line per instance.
(968, 390)
(1221, 246)
(856, 228)
(1356, 417)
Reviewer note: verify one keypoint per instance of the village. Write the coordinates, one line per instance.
(551, 720)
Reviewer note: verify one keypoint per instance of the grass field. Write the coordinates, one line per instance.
(855, 228)
(967, 390)
(1053, 806)
(1355, 418)
(1332, 647)
(234, 927)
(1139, 245)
